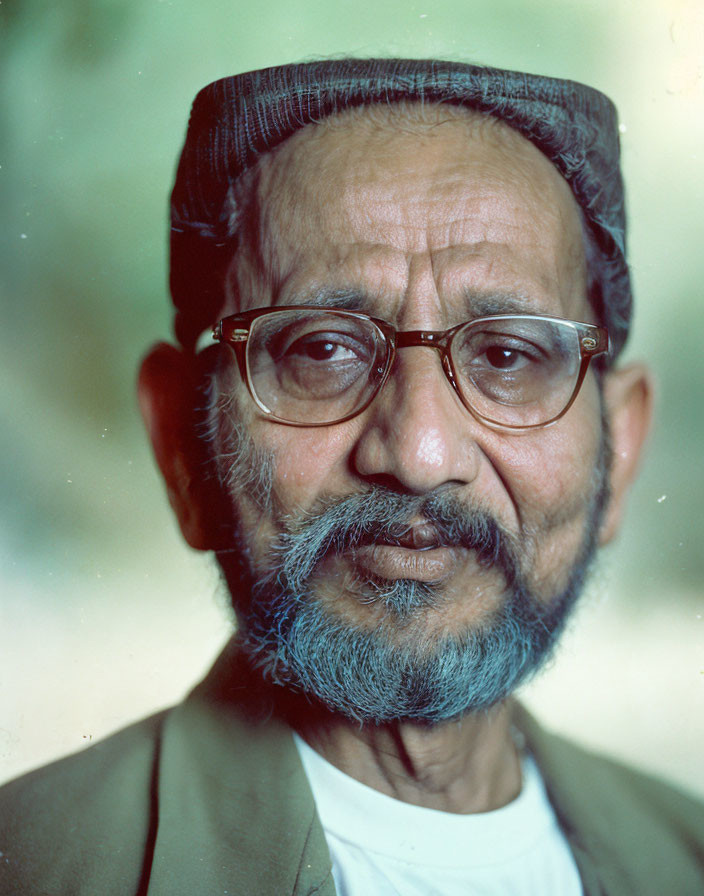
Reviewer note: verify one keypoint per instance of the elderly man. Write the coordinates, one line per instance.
(404, 443)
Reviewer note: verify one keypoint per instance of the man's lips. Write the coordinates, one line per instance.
(416, 552)
(428, 563)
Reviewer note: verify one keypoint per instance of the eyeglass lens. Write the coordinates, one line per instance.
(517, 371)
(314, 367)
(318, 367)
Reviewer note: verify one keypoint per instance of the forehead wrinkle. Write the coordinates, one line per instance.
(294, 173)
(293, 176)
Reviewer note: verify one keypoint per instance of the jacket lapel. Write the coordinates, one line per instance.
(235, 811)
(629, 833)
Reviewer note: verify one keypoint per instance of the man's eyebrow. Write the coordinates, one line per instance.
(343, 299)
(481, 304)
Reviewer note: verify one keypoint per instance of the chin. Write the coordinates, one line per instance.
(409, 665)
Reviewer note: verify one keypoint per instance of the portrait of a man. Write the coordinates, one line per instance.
(396, 412)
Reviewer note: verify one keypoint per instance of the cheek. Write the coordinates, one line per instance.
(554, 482)
(308, 463)
(566, 456)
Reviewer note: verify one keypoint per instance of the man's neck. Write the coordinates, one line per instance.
(470, 765)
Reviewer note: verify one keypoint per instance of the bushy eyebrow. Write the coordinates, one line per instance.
(488, 304)
(343, 299)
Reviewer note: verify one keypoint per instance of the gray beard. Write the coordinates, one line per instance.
(374, 674)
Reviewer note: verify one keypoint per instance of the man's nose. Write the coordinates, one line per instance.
(417, 435)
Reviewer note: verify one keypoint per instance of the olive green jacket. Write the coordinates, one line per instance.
(201, 800)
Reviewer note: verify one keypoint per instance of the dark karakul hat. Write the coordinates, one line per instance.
(236, 120)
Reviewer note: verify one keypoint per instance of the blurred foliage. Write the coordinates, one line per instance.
(94, 98)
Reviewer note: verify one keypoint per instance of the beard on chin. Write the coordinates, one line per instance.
(372, 674)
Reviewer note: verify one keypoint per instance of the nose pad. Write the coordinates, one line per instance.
(417, 435)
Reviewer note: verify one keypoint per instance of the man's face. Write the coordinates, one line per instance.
(425, 226)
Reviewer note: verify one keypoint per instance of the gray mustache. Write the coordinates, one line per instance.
(381, 515)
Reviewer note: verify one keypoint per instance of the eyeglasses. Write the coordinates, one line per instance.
(313, 366)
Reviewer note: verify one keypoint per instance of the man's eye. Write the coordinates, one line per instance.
(503, 358)
(507, 356)
(321, 347)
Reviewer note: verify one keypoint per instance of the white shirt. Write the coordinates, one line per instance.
(381, 846)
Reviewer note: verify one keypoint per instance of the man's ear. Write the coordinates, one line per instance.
(628, 396)
(167, 392)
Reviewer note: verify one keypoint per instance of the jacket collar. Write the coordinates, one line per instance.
(235, 811)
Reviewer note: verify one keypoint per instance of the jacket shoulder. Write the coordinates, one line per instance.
(82, 825)
(595, 778)
(643, 834)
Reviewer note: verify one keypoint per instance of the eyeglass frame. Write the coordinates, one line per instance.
(234, 331)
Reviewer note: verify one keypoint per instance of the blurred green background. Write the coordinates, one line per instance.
(105, 614)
